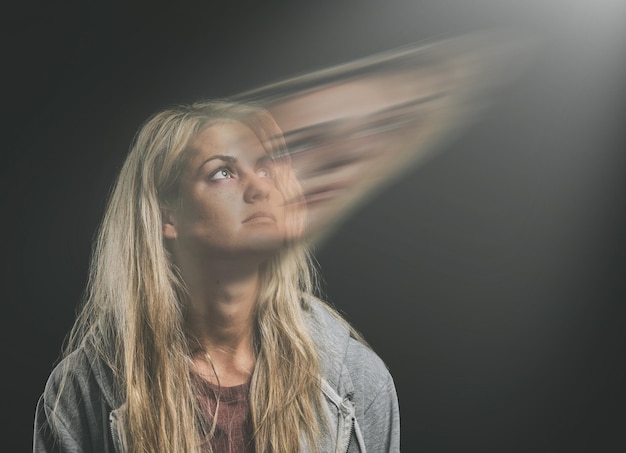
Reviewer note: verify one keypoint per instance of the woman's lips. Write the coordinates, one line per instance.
(260, 217)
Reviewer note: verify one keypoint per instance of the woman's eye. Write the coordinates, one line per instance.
(265, 172)
(222, 173)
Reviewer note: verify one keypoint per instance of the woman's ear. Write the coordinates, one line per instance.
(168, 223)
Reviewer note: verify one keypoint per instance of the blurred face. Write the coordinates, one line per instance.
(346, 139)
(229, 203)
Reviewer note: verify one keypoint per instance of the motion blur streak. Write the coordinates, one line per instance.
(351, 128)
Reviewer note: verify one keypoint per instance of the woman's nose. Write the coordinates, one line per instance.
(256, 188)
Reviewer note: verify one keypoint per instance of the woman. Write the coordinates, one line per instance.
(199, 331)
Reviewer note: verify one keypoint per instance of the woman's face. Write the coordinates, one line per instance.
(229, 203)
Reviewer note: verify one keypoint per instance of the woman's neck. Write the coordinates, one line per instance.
(221, 317)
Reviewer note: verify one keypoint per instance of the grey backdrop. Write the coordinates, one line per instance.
(489, 280)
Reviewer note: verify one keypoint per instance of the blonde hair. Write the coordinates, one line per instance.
(134, 310)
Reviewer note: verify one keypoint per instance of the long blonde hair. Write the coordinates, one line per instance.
(134, 310)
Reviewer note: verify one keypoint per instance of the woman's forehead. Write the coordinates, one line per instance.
(229, 137)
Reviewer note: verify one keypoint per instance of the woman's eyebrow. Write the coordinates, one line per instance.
(223, 157)
(265, 160)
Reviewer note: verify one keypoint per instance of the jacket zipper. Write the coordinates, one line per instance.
(106, 424)
(348, 400)
(350, 438)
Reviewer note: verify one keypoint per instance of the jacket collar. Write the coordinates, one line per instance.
(332, 338)
(104, 376)
(330, 334)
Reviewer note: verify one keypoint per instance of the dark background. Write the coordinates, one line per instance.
(489, 279)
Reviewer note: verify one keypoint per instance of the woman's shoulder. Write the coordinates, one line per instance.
(81, 376)
(73, 412)
(355, 377)
(346, 361)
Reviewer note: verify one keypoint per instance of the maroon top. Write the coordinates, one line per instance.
(233, 431)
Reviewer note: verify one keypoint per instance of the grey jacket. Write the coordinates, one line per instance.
(359, 391)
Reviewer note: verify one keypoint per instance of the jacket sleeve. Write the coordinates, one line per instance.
(375, 399)
(43, 440)
(71, 416)
(380, 425)
(51, 434)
